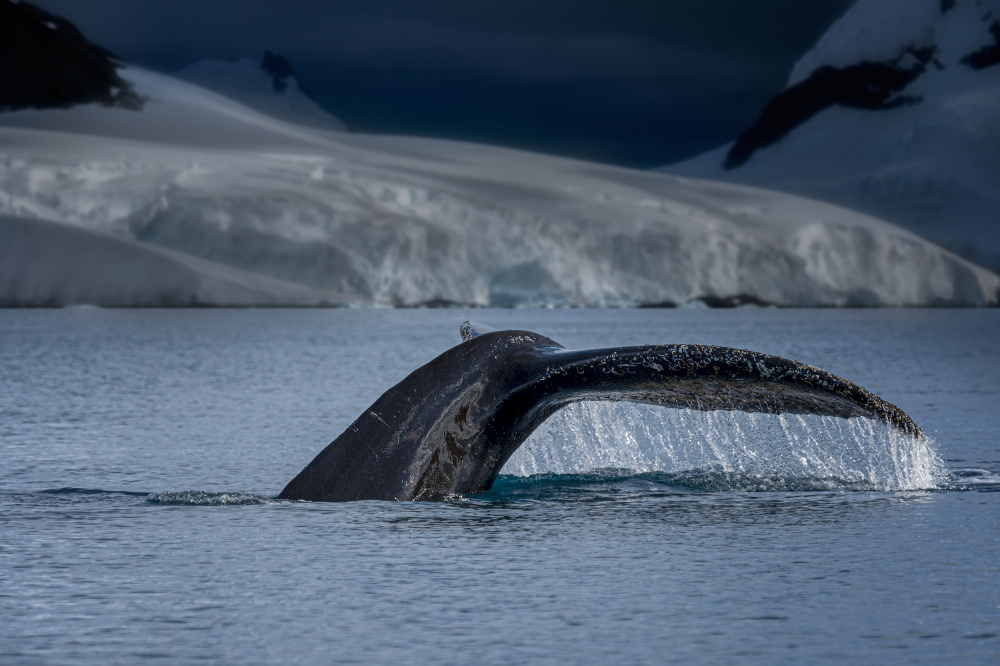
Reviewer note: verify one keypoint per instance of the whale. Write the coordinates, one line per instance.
(447, 429)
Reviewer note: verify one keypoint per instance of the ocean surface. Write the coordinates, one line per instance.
(141, 451)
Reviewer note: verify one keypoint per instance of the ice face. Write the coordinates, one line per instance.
(400, 221)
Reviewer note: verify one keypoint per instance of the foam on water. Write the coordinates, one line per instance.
(729, 450)
(202, 498)
(982, 480)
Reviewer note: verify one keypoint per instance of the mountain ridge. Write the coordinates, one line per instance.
(269, 85)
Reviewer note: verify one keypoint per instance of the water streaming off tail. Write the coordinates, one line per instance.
(753, 451)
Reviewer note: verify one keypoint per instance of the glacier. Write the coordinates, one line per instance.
(197, 199)
(50, 264)
(931, 164)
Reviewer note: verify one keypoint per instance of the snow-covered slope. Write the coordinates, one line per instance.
(268, 85)
(403, 221)
(175, 113)
(917, 142)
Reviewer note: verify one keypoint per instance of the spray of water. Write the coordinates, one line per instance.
(736, 450)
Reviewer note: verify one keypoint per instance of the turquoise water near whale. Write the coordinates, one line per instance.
(141, 450)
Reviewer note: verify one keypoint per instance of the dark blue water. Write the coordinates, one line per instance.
(140, 450)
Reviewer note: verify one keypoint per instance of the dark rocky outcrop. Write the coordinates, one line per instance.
(987, 56)
(734, 301)
(46, 62)
(281, 70)
(866, 85)
(723, 302)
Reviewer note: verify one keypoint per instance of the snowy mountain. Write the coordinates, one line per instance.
(893, 113)
(403, 221)
(198, 199)
(269, 86)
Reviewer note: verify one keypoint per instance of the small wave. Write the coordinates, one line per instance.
(202, 498)
(982, 480)
(90, 491)
(71, 496)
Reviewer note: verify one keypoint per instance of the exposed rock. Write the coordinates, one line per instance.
(280, 70)
(866, 85)
(987, 56)
(45, 62)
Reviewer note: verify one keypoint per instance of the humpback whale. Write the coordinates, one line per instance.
(449, 427)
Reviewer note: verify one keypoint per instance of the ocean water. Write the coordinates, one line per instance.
(141, 449)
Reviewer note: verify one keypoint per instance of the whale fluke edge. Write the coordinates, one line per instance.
(449, 427)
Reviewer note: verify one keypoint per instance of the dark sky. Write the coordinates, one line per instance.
(633, 82)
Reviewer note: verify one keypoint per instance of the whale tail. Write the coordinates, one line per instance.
(450, 426)
(708, 378)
